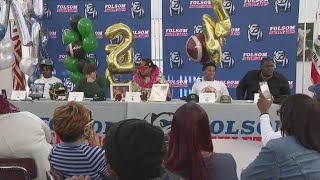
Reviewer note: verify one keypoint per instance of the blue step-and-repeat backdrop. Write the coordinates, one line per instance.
(103, 13)
(260, 28)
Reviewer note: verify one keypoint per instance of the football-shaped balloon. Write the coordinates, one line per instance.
(196, 48)
(75, 49)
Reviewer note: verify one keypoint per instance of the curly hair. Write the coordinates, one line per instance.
(69, 121)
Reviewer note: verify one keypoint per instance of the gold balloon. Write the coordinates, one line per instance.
(215, 33)
(120, 56)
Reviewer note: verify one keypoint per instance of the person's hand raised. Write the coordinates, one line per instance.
(264, 104)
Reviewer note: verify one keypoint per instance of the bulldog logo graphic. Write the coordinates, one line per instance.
(254, 32)
(282, 5)
(229, 6)
(62, 33)
(280, 59)
(227, 60)
(46, 11)
(137, 11)
(197, 29)
(175, 60)
(176, 8)
(137, 57)
(90, 11)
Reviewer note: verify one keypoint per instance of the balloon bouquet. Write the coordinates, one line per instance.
(201, 47)
(81, 40)
(29, 30)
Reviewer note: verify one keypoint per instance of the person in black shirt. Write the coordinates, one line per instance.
(277, 82)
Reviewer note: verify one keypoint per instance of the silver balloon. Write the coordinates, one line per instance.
(22, 26)
(6, 46)
(4, 12)
(27, 67)
(6, 60)
(37, 8)
(35, 48)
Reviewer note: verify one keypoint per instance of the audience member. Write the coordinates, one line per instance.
(296, 155)
(209, 85)
(277, 82)
(24, 135)
(135, 150)
(264, 104)
(190, 147)
(146, 75)
(72, 122)
(92, 85)
(46, 78)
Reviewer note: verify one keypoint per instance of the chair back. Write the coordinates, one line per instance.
(18, 168)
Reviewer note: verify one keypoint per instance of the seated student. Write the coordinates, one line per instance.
(134, 150)
(72, 122)
(295, 155)
(92, 85)
(277, 82)
(46, 78)
(146, 75)
(315, 89)
(24, 135)
(209, 85)
(190, 147)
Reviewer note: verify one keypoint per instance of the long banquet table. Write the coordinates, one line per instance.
(237, 120)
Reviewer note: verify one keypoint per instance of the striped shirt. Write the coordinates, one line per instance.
(78, 159)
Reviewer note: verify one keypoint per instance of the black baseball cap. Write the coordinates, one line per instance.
(192, 98)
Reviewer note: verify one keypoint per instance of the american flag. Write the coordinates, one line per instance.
(19, 81)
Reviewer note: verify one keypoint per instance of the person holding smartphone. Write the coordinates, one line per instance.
(255, 81)
(72, 157)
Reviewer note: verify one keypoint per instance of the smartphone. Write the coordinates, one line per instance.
(264, 88)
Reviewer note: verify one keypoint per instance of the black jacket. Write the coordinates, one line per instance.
(278, 85)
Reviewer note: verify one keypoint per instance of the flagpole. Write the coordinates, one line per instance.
(304, 45)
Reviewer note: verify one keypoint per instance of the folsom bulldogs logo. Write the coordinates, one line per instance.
(115, 8)
(62, 57)
(255, 3)
(235, 31)
(197, 29)
(280, 59)
(229, 6)
(137, 58)
(257, 56)
(254, 32)
(176, 32)
(137, 11)
(175, 8)
(230, 83)
(99, 34)
(52, 34)
(141, 34)
(67, 8)
(282, 30)
(90, 11)
(117, 40)
(46, 12)
(175, 60)
(282, 6)
(227, 60)
(200, 4)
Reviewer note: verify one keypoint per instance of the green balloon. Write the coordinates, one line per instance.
(70, 63)
(90, 44)
(85, 27)
(76, 76)
(70, 36)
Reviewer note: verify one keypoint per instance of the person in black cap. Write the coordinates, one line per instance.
(146, 75)
(46, 78)
(277, 82)
(209, 84)
(135, 150)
